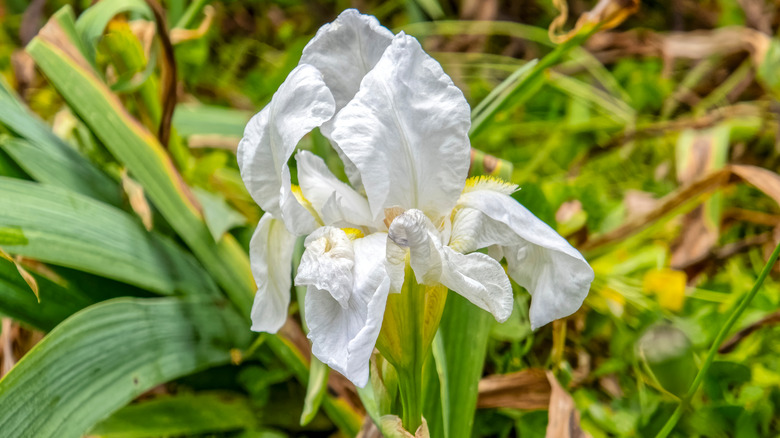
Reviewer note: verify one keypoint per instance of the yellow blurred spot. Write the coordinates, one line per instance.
(613, 295)
(235, 356)
(668, 286)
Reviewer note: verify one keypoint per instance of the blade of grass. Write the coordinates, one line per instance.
(725, 330)
(528, 85)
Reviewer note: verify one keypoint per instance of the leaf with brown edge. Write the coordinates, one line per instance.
(563, 417)
(57, 52)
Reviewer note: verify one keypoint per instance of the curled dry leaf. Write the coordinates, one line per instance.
(28, 278)
(138, 202)
(563, 417)
(607, 14)
(698, 153)
(179, 35)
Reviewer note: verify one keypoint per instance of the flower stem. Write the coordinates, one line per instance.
(410, 375)
(410, 385)
(724, 331)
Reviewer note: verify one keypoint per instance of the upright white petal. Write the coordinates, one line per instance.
(344, 51)
(270, 253)
(344, 338)
(337, 203)
(327, 263)
(476, 277)
(538, 258)
(406, 130)
(301, 103)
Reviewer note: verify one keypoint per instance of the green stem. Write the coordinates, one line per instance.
(724, 331)
(410, 376)
(410, 385)
(189, 15)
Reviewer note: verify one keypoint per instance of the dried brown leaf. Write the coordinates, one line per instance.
(563, 416)
(26, 276)
(527, 389)
(138, 202)
(762, 179)
(607, 14)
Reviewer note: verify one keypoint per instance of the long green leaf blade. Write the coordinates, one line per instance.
(460, 355)
(19, 302)
(67, 229)
(188, 414)
(46, 157)
(56, 53)
(106, 355)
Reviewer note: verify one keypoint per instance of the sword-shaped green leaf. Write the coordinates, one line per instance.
(72, 230)
(106, 355)
(55, 50)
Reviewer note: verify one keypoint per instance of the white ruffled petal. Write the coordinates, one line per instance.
(412, 231)
(344, 338)
(271, 251)
(538, 258)
(480, 279)
(406, 130)
(337, 203)
(476, 277)
(345, 50)
(301, 103)
(327, 263)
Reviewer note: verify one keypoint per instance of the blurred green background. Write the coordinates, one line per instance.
(652, 146)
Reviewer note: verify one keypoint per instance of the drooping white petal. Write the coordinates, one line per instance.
(271, 251)
(327, 263)
(406, 130)
(337, 203)
(476, 277)
(538, 258)
(301, 103)
(344, 338)
(480, 279)
(412, 231)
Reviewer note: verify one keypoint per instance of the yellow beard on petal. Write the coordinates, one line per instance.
(491, 183)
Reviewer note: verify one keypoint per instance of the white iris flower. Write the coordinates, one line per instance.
(401, 128)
